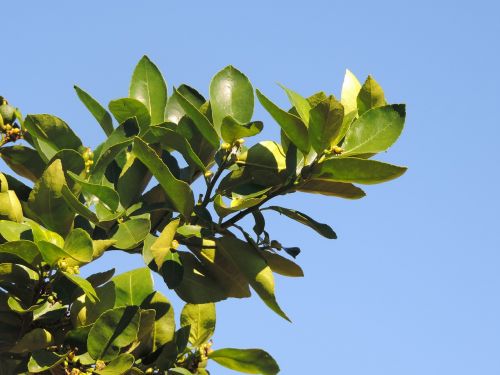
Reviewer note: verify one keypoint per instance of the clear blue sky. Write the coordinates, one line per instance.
(411, 286)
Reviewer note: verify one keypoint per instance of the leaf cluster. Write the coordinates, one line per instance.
(65, 204)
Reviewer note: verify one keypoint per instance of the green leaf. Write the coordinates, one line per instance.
(53, 133)
(249, 361)
(201, 122)
(106, 152)
(231, 129)
(201, 318)
(133, 180)
(282, 265)
(126, 108)
(179, 371)
(174, 111)
(301, 104)
(323, 229)
(79, 244)
(162, 246)
(231, 94)
(132, 287)
(114, 330)
(293, 126)
(149, 87)
(164, 326)
(375, 131)
(325, 123)
(197, 286)
(105, 194)
(236, 205)
(100, 246)
(177, 191)
(52, 254)
(42, 234)
(362, 171)
(131, 233)
(23, 160)
(328, 187)
(254, 267)
(43, 360)
(370, 96)
(171, 139)
(12, 231)
(87, 288)
(47, 202)
(98, 111)
(221, 267)
(22, 252)
(74, 203)
(350, 91)
(100, 278)
(35, 339)
(265, 163)
(10, 207)
(119, 365)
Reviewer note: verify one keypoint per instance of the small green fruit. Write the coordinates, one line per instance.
(8, 113)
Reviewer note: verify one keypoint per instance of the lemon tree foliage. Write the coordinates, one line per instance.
(63, 205)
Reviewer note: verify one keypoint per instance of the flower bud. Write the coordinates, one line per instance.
(174, 245)
(337, 150)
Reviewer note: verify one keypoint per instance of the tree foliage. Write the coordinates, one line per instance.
(63, 205)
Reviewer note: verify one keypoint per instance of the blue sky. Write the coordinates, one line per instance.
(411, 286)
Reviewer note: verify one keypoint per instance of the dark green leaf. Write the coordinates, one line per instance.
(362, 171)
(164, 326)
(197, 286)
(201, 122)
(149, 87)
(231, 129)
(43, 360)
(370, 96)
(254, 267)
(293, 126)
(131, 233)
(52, 135)
(174, 111)
(178, 191)
(325, 123)
(119, 365)
(126, 108)
(375, 131)
(323, 229)
(249, 361)
(22, 252)
(47, 202)
(231, 94)
(221, 267)
(281, 265)
(23, 160)
(201, 318)
(132, 287)
(171, 139)
(87, 288)
(12, 231)
(104, 193)
(34, 340)
(301, 104)
(114, 330)
(328, 187)
(98, 111)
